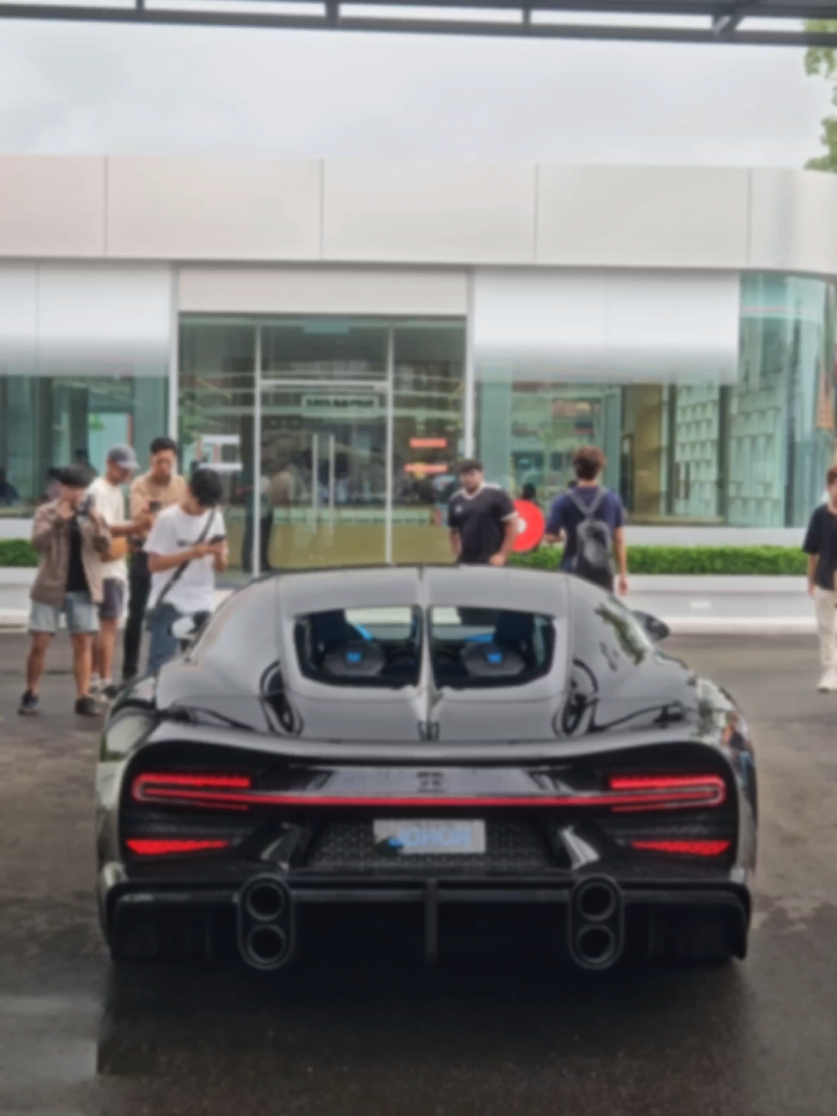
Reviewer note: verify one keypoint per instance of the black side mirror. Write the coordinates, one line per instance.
(654, 628)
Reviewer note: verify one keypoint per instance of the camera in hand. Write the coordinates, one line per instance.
(154, 506)
(84, 508)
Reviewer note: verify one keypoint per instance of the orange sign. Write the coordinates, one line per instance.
(428, 443)
(422, 469)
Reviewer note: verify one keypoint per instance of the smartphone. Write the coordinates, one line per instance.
(154, 506)
(83, 508)
(215, 540)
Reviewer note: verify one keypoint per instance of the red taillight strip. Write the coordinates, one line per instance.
(684, 848)
(679, 792)
(708, 790)
(161, 847)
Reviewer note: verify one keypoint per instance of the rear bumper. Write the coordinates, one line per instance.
(123, 900)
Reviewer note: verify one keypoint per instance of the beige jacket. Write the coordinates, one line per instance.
(51, 538)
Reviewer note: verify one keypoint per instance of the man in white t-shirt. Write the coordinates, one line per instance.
(187, 546)
(106, 497)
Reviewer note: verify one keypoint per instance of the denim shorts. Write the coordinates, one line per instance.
(82, 615)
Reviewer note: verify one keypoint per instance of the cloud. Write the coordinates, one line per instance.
(94, 88)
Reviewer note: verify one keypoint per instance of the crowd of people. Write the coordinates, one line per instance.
(165, 550)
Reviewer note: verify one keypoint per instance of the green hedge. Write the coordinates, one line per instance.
(17, 552)
(774, 560)
(753, 560)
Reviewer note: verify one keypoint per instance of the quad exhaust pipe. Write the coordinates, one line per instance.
(265, 923)
(596, 924)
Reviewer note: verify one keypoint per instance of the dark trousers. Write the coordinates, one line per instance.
(139, 586)
(264, 543)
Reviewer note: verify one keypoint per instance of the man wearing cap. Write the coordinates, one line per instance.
(108, 500)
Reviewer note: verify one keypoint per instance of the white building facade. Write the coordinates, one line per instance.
(345, 332)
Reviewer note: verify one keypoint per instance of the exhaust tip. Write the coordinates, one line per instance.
(596, 947)
(265, 901)
(597, 901)
(266, 947)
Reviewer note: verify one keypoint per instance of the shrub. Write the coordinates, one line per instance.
(17, 552)
(692, 560)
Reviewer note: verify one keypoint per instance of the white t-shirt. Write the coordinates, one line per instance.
(194, 590)
(109, 502)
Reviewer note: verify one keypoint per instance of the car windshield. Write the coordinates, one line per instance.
(477, 647)
(378, 646)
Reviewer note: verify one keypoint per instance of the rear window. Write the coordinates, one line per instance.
(360, 647)
(476, 647)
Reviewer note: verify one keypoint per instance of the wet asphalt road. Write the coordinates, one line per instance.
(370, 1032)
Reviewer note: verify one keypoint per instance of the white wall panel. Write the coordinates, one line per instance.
(793, 222)
(605, 326)
(104, 319)
(429, 212)
(183, 209)
(18, 318)
(642, 217)
(51, 206)
(323, 290)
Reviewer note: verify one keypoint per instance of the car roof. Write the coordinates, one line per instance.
(522, 590)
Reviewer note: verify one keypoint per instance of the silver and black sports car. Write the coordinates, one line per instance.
(438, 741)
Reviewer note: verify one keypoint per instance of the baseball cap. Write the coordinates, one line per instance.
(123, 456)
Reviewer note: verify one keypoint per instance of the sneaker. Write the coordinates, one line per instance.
(109, 691)
(28, 704)
(828, 683)
(97, 684)
(86, 707)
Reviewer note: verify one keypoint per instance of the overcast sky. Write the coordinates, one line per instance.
(75, 88)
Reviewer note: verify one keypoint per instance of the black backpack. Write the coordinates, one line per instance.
(592, 559)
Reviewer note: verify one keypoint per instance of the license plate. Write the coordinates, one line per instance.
(430, 838)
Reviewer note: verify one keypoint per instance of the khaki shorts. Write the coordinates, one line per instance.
(82, 615)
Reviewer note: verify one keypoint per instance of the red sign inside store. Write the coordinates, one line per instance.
(428, 443)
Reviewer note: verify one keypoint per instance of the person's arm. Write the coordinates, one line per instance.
(555, 523)
(813, 559)
(159, 562)
(220, 550)
(455, 537)
(508, 517)
(95, 530)
(49, 520)
(137, 498)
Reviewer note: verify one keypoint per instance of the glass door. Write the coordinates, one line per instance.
(325, 474)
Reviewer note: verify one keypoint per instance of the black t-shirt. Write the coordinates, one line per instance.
(480, 521)
(76, 579)
(821, 539)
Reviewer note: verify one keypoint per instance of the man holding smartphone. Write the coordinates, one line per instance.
(187, 546)
(152, 492)
(70, 537)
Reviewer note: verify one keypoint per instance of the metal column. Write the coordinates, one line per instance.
(390, 446)
(256, 560)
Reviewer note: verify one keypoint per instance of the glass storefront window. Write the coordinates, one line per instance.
(427, 436)
(334, 395)
(752, 453)
(47, 422)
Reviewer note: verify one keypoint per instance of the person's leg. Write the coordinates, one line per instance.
(824, 606)
(264, 542)
(83, 625)
(247, 544)
(163, 645)
(82, 658)
(36, 660)
(139, 587)
(110, 612)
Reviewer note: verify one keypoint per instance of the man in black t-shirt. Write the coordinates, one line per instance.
(481, 518)
(821, 547)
